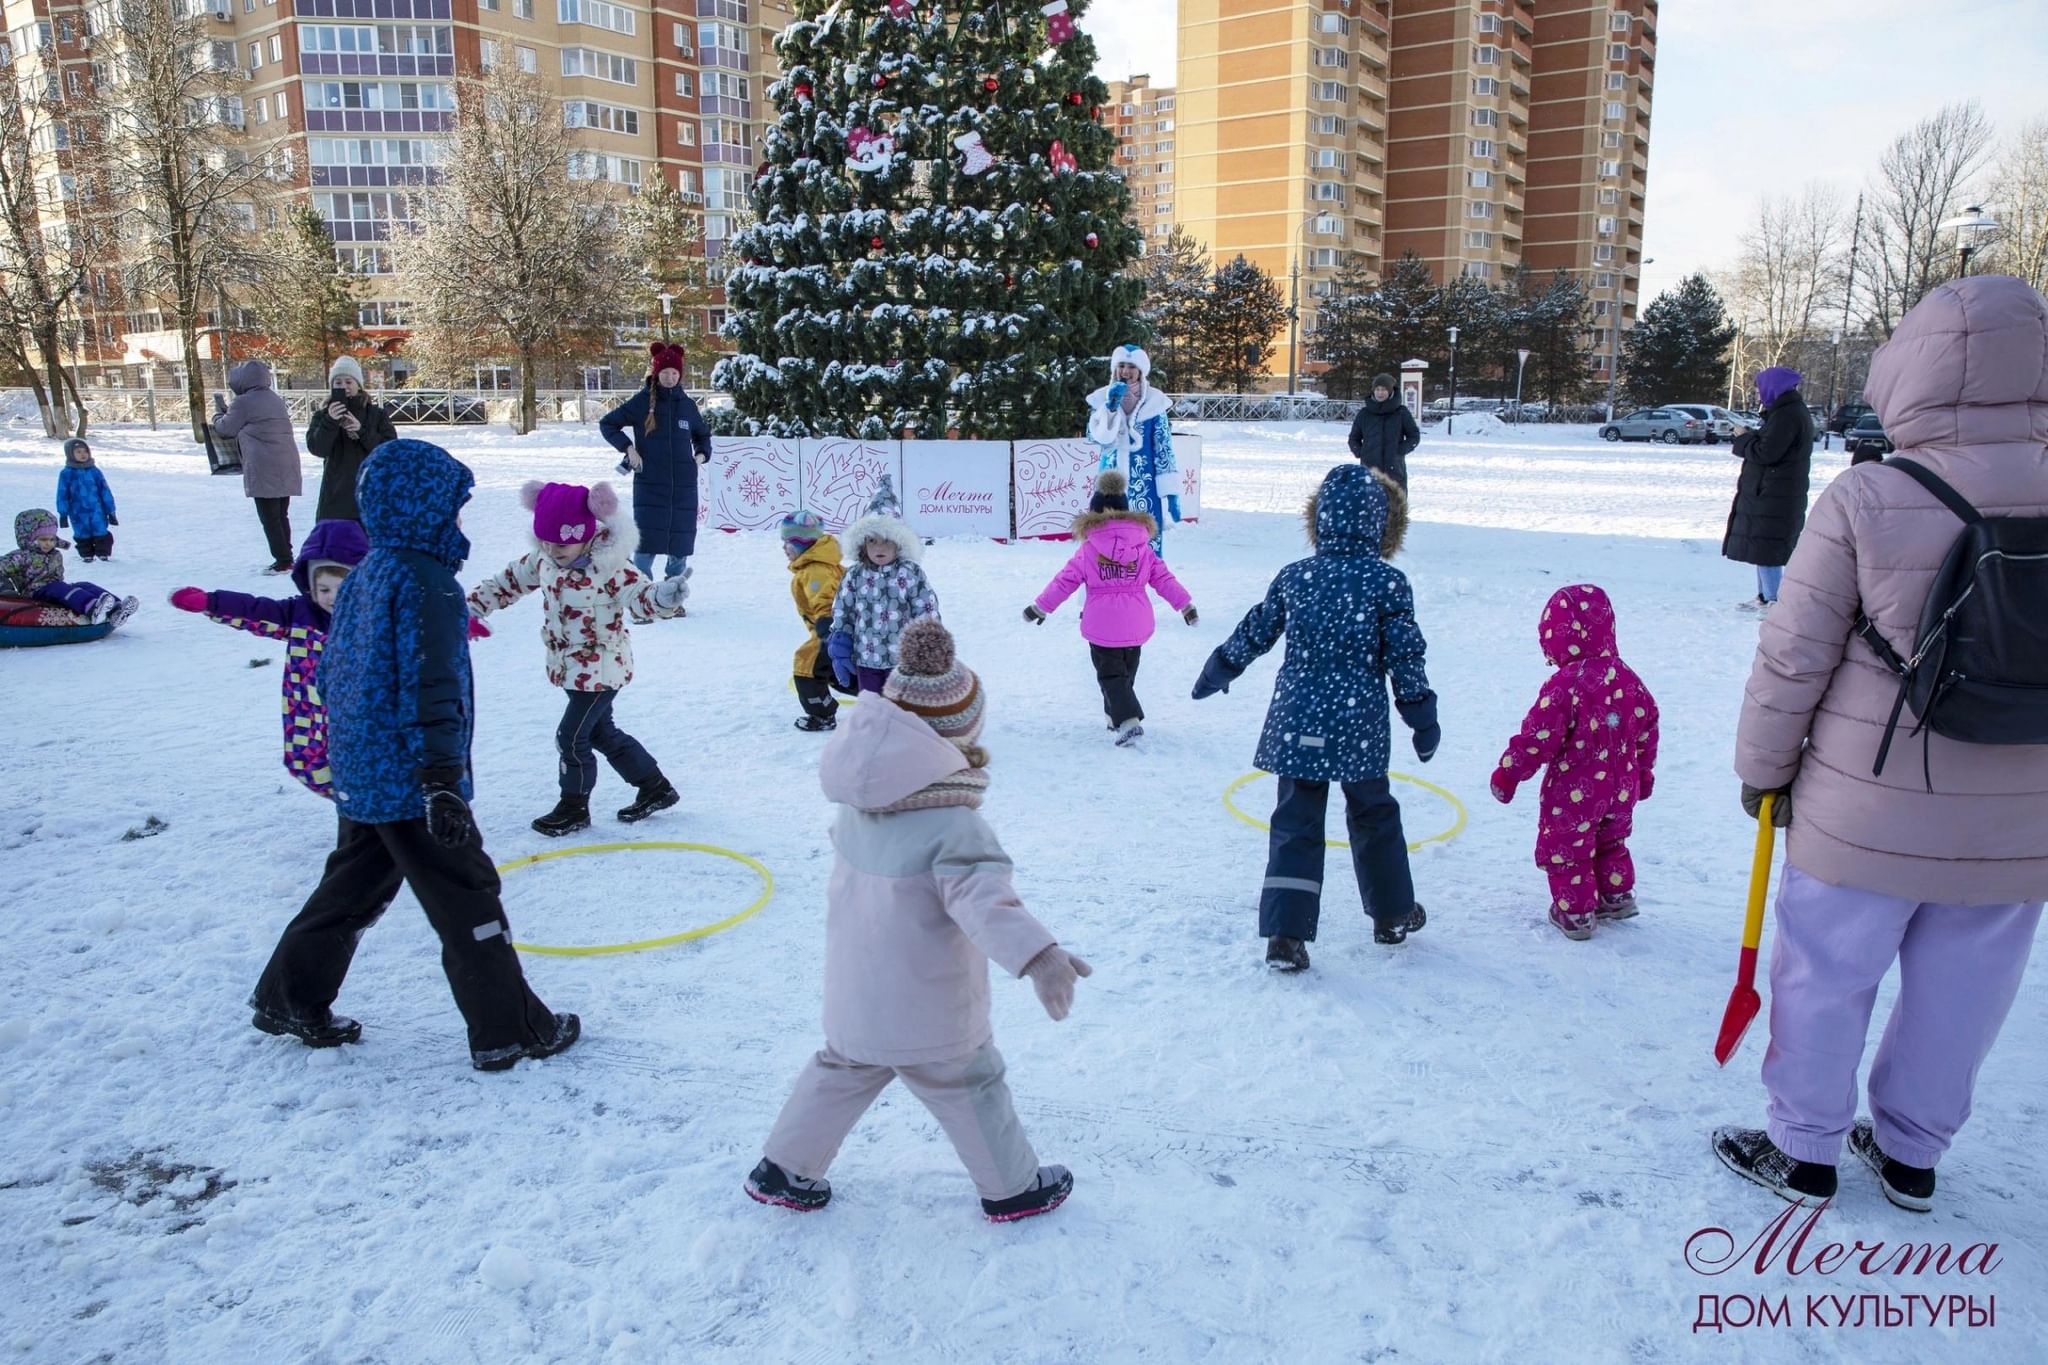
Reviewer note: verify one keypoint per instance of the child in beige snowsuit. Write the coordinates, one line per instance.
(920, 901)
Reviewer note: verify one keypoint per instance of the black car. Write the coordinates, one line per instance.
(1866, 440)
(1847, 416)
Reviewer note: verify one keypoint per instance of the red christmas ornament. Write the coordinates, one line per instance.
(803, 90)
(1092, 240)
(876, 243)
(1009, 281)
(1074, 97)
(990, 84)
(881, 81)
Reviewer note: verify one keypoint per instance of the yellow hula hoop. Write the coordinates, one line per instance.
(643, 945)
(1457, 826)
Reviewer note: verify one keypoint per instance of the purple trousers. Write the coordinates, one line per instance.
(76, 597)
(1959, 969)
(871, 679)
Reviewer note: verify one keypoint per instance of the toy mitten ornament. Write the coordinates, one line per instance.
(901, 9)
(869, 151)
(1061, 159)
(1059, 25)
(978, 158)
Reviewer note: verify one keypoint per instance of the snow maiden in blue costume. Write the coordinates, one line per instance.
(1127, 418)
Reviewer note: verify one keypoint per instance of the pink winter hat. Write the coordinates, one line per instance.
(568, 513)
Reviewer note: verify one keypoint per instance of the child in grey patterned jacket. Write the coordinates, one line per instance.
(884, 591)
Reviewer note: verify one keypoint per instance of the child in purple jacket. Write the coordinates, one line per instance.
(1115, 564)
(35, 569)
(333, 548)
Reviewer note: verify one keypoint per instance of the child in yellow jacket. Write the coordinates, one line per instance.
(814, 574)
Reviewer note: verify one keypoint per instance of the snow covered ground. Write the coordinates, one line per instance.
(1489, 1144)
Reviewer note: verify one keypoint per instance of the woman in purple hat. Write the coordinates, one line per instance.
(1770, 497)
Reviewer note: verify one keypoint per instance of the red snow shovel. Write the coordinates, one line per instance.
(1743, 1001)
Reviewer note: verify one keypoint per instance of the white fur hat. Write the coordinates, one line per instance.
(1130, 355)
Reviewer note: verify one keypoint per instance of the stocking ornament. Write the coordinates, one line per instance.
(1059, 26)
(1061, 159)
(901, 9)
(869, 151)
(978, 158)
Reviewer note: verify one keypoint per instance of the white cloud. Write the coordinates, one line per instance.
(1133, 37)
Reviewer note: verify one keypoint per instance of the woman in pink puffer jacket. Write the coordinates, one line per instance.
(1949, 881)
(1116, 564)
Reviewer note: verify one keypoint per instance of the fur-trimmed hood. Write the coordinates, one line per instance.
(1089, 522)
(882, 526)
(1357, 510)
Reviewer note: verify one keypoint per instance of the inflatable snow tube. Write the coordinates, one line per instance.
(26, 623)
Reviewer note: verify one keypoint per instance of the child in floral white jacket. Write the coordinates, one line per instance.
(584, 572)
(884, 591)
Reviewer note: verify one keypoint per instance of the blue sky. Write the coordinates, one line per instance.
(1756, 97)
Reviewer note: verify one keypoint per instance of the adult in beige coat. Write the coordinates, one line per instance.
(1949, 881)
(920, 902)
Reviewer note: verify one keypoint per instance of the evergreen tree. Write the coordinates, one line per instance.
(1551, 319)
(1484, 331)
(1678, 351)
(305, 297)
(1406, 309)
(1347, 336)
(1176, 280)
(938, 240)
(665, 244)
(1243, 315)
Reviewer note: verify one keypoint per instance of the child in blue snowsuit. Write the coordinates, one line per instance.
(85, 503)
(1349, 618)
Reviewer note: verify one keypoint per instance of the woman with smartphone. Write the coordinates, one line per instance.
(342, 435)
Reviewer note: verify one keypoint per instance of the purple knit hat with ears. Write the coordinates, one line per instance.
(568, 513)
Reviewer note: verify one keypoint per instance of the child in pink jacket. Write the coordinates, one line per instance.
(920, 900)
(1116, 564)
(1595, 726)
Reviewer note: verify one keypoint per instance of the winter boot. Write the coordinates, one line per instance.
(1910, 1187)
(330, 1031)
(1128, 733)
(568, 1028)
(656, 793)
(570, 814)
(1047, 1193)
(122, 610)
(813, 725)
(1617, 907)
(281, 566)
(1391, 934)
(770, 1184)
(1750, 1153)
(1571, 924)
(1284, 954)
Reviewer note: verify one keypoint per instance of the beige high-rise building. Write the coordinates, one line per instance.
(1142, 117)
(1479, 134)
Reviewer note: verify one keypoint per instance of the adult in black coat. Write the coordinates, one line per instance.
(1771, 495)
(664, 438)
(1384, 432)
(342, 435)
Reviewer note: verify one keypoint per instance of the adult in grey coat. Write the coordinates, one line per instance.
(262, 425)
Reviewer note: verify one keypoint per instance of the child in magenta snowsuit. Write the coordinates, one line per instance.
(1116, 564)
(329, 553)
(1595, 726)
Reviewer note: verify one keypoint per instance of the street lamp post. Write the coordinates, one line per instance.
(1294, 301)
(1972, 227)
(667, 301)
(1614, 337)
(1451, 417)
(1521, 363)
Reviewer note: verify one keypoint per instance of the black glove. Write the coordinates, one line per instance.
(1190, 615)
(63, 522)
(822, 627)
(1034, 615)
(1218, 673)
(1419, 714)
(1781, 806)
(113, 520)
(448, 817)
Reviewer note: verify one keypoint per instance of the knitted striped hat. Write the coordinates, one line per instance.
(930, 683)
(802, 529)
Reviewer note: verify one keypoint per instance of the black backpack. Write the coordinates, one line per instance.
(1979, 668)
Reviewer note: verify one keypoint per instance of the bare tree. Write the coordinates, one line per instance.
(1918, 182)
(664, 241)
(2019, 200)
(43, 235)
(185, 173)
(1789, 273)
(517, 244)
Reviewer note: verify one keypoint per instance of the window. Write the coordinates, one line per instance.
(1610, 169)
(686, 184)
(1485, 85)
(369, 151)
(1332, 124)
(1324, 226)
(283, 109)
(596, 14)
(1479, 208)
(399, 95)
(1613, 111)
(1616, 81)
(620, 170)
(1603, 280)
(1327, 90)
(1479, 180)
(1610, 195)
(522, 9)
(277, 47)
(491, 5)
(487, 53)
(603, 66)
(685, 38)
(1603, 253)
(1606, 227)
(685, 86)
(1333, 23)
(1479, 239)
(1618, 23)
(1610, 139)
(1332, 56)
(606, 118)
(1477, 270)
(1482, 147)
(1600, 308)
(726, 85)
(255, 55)
(1617, 52)
(1328, 159)
(1485, 118)
(1329, 192)
(686, 133)
(1485, 55)
(1489, 23)
(529, 60)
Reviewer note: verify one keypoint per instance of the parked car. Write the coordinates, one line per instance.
(1866, 440)
(1753, 419)
(1847, 416)
(420, 407)
(1531, 411)
(1721, 424)
(1656, 424)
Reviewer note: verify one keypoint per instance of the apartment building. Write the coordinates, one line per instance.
(1142, 117)
(1283, 124)
(353, 100)
(1479, 134)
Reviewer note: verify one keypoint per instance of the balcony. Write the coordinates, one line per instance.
(1371, 86)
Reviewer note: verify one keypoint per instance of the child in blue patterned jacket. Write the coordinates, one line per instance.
(85, 503)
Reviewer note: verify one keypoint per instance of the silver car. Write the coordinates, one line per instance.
(1721, 424)
(1656, 424)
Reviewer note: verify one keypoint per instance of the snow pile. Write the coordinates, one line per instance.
(18, 408)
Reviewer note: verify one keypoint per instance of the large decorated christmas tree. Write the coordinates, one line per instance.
(939, 241)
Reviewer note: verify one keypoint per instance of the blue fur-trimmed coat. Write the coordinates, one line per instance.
(1141, 444)
(1349, 619)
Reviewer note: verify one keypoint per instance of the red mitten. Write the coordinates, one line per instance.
(1502, 784)
(1645, 782)
(477, 629)
(189, 599)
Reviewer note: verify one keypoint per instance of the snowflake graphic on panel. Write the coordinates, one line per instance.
(754, 488)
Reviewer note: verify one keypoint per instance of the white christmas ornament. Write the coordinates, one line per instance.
(978, 158)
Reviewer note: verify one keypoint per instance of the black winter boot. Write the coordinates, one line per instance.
(1909, 1187)
(770, 1184)
(568, 1028)
(332, 1031)
(1750, 1153)
(1391, 934)
(570, 814)
(656, 793)
(1047, 1193)
(1284, 954)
